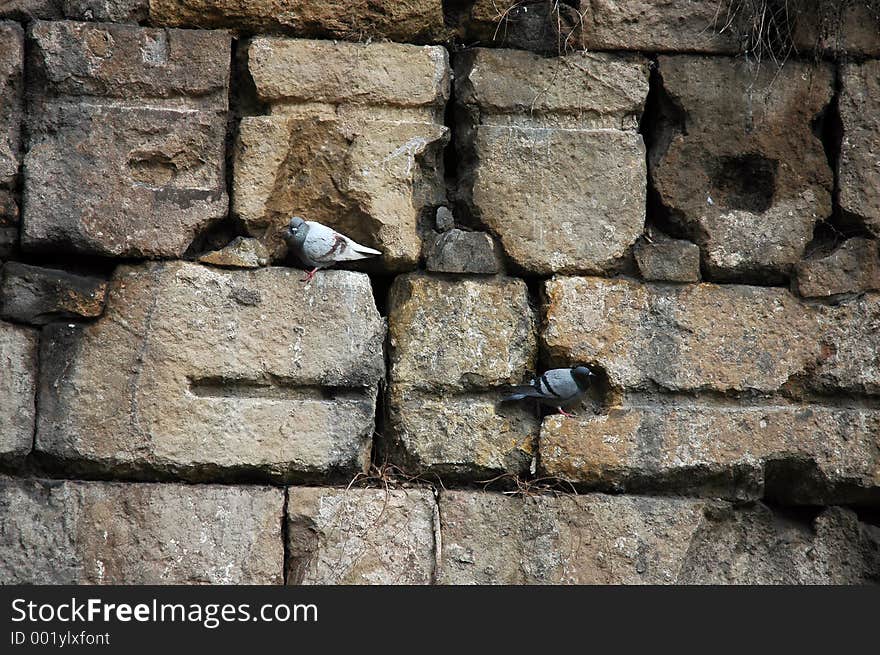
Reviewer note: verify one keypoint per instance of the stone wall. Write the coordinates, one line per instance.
(604, 183)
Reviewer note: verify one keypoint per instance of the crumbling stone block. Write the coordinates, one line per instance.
(11, 66)
(858, 170)
(64, 532)
(671, 260)
(563, 27)
(681, 338)
(457, 251)
(361, 536)
(453, 344)
(241, 252)
(843, 27)
(551, 158)
(35, 295)
(354, 140)
(739, 163)
(732, 452)
(194, 371)
(127, 131)
(415, 21)
(853, 267)
(596, 539)
(18, 363)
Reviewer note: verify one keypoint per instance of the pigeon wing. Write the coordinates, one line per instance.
(325, 246)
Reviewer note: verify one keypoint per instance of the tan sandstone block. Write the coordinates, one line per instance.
(194, 370)
(361, 536)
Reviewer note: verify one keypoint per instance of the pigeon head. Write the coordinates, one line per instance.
(296, 230)
(582, 376)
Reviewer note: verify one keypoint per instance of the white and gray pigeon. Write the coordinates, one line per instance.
(558, 387)
(319, 246)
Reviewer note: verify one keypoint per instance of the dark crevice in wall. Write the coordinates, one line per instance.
(661, 120)
(285, 537)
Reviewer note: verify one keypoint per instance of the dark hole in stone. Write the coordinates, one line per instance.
(746, 182)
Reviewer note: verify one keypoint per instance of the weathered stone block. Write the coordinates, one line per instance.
(681, 338)
(551, 159)
(18, 370)
(31, 294)
(460, 435)
(354, 141)
(858, 168)
(110, 11)
(657, 26)
(839, 27)
(453, 343)
(61, 532)
(361, 536)
(11, 66)
(415, 21)
(241, 252)
(731, 452)
(26, 10)
(597, 539)
(460, 333)
(747, 139)
(665, 259)
(195, 370)
(457, 251)
(853, 267)
(127, 131)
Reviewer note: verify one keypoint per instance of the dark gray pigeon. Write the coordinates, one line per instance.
(319, 246)
(558, 387)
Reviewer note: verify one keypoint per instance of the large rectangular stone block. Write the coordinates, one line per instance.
(859, 170)
(64, 532)
(36, 295)
(454, 342)
(195, 371)
(708, 337)
(804, 454)
(748, 139)
(18, 371)
(11, 88)
(562, 27)
(127, 132)
(415, 21)
(354, 140)
(361, 536)
(597, 539)
(551, 159)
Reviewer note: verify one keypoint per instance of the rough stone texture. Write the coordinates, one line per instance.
(11, 66)
(61, 532)
(860, 148)
(18, 370)
(127, 129)
(557, 27)
(361, 536)
(354, 141)
(681, 338)
(596, 539)
(444, 219)
(845, 26)
(656, 26)
(415, 21)
(551, 159)
(457, 251)
(240, 253)
(831, 455)
(853, 267)
(31, 294)
(194, 370)
(25, 10)
(738, 163)
(665, 259)
(453, 343)
(8, 242)
(110, 11)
